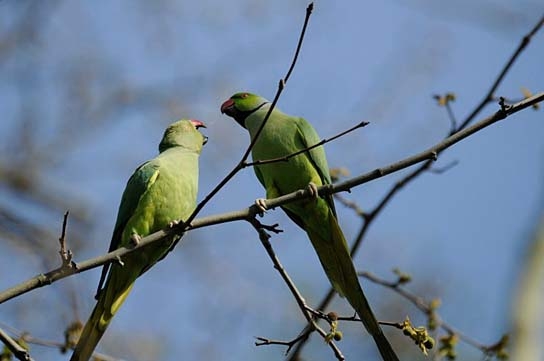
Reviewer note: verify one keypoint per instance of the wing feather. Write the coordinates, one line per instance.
(141, 180)
(308, 137)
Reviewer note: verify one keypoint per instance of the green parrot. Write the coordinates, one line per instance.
(283, 135)
(160, 192)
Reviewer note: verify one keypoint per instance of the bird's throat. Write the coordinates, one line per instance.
(241, 116)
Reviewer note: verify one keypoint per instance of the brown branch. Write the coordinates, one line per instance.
(117, 255)
(445, 168)
(351, 205)
(263, 341)
(451, 116)
(28, 338)
(65, 254)
(264, 238)
(241, 163)
(491, 92)
(490, 96)
(423, 306)
(320, 143)
(309, 10)
(17, 350)
(369, 217)
(426, 155)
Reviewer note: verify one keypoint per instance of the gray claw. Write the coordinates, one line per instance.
(173, 223)
(135, 239)
(312, 188)
(261, 204)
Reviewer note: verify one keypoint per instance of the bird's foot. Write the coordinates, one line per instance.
(173, 223)
(135, 239)
(261, 205)
(312, 188)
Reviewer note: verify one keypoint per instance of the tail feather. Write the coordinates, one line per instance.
(89, 338)
(333, 253)
(109, 301)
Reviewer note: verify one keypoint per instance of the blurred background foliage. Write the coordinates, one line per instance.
(86, 89)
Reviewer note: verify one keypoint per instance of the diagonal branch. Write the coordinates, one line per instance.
(309, 10)
(428, 154)
(116, 255)
(423, 306)
(369, 217)
(241, 163)
(264, 238)
(489, 97)
(320, 143)
(28, 338)
(14, 347)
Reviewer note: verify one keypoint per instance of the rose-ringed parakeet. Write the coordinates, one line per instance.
(283, 135)
(161, 191)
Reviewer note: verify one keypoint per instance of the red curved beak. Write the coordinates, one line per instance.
(227, 105)
(198, 123)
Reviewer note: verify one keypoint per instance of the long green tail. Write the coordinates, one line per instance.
(110, 299)
(334, 255)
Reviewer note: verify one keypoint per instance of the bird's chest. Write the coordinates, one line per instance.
(286, 173)
(172, 196)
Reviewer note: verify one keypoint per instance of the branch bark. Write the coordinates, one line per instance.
(489, 97)
(14, 347)
(248, 213)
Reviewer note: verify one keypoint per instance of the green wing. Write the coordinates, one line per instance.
(308, 137)
(259, 175)
(140, 181)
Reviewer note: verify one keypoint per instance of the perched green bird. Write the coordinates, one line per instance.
(283, 135)
(160, 192)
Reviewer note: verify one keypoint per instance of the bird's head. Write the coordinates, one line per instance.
(242, 104)
(184, 133)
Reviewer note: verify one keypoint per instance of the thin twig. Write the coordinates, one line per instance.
(263, 341)
(59, 273)
(433, 152)
(264, 238)
(17, 350)
(320, 143)
(309, 10)
(426, 155)
(369, 217)
(421, 169)
(241, 163)
(451, 116)
(62, 238)
(350, 204)
(445, 168)
(422, 305)
(65, 254)
(28, 338)
(491, 92)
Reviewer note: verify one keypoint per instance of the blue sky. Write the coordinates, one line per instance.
(461, 234)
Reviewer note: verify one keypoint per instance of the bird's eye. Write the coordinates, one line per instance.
(245, 95)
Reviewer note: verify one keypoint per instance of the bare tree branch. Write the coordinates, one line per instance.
(490, 96)
(264, 238)
(428, 154)
(14, 347)
(423, 305)
(491, 92)
(28, 338)
(245, 214)
(240, 164)
(318, 144)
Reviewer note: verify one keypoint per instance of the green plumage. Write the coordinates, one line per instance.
(160, 191)
(283, 135)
